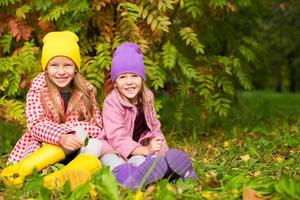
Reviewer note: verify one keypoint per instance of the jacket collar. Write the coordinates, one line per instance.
(123, 101)
(39, 82)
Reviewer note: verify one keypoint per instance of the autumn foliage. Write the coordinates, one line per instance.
(168, 32)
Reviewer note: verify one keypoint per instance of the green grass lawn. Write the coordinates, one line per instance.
(253, 152)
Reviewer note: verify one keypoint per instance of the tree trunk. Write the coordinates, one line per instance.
(293, 78)
(278, 83)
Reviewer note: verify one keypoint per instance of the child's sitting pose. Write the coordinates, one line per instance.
(61, 113)
(132, 128)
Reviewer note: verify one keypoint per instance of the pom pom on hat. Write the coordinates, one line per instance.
(127, 58)
(60, 43)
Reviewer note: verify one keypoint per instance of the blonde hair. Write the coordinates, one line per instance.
(78, 85)
(143, 97)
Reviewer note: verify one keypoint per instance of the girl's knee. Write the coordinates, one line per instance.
(94, 147)
(112, 160)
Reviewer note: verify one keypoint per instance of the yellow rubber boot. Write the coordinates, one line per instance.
(78, 171)
(45, 156)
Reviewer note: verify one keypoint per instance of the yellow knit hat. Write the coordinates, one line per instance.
(62, 43)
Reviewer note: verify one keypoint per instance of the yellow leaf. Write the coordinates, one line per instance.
(153, 25)
(234, 191)
(226, 144)
(245, 157)
(257, 173)
(279, 159)
(206, 194)
(205, 160)
(181, 3)
(138, 195)
(145, 13)
(149, 19)
(93, 192)
(160, 5)
(170, 187)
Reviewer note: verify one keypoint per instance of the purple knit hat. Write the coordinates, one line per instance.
(127, 58)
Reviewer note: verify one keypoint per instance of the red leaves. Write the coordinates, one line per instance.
(25, 82)
(46, 26)
(19, 29)
(2, 22)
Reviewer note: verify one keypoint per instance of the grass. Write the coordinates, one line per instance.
(253, 152)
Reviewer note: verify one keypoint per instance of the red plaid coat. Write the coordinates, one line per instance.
(43, 126)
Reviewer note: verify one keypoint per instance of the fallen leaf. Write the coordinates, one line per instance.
(250, 194)
(149, 190)
(226, 144)
(206, 194)
(170, 188)
(245, 157)
(235, 191)
(257, 173)
(205, 160)
(93, 192)
(139, 195)
(279, 159)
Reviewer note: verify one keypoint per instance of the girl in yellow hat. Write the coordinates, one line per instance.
(63, 118)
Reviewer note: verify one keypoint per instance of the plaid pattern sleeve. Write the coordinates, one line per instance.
(41, 127)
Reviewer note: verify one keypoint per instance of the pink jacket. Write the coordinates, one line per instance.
(118, 121)
(43, 125)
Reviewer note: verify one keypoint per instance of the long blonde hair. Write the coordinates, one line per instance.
(143, 95)
(78, 84)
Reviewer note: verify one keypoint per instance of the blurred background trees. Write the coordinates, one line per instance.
(198, 53)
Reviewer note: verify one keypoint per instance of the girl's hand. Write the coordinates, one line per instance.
(155, 144)
(71, 142)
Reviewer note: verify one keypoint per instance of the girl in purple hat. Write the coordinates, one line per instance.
(132, 128)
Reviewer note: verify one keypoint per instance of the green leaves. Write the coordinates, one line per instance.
(190, 38)
(166, 4)
(155, 73)
(169, 55)
(246, 48)
(160, 23)
(86, 141)
(186, 67)
(130, 10)
(218, 3)
(7, 2)
(95, 66)
(13, 111)
(106, 184)
(193, 7)
(12, 69)
(42, 5)
(288, 188)
(5, 42)
(22, 11)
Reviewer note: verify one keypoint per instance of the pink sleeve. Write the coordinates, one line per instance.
(114, 127)
(40, 126)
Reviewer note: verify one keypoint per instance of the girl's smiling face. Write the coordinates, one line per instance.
(129, 85)
(61, 71)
